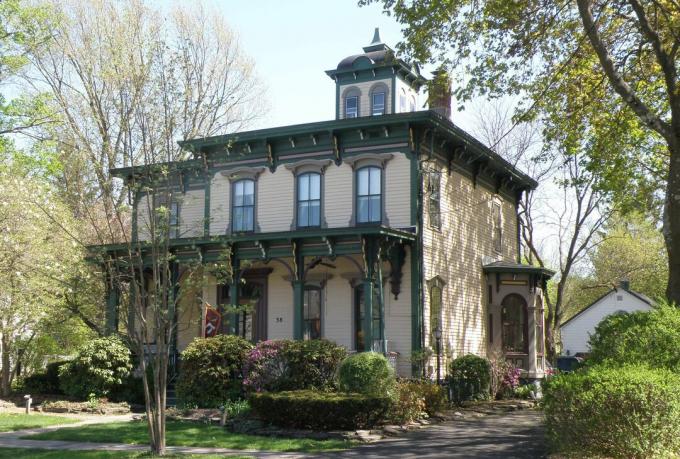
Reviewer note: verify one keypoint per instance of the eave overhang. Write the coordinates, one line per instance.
(516, 268)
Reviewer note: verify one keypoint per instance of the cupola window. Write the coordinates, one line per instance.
(351, 107)
(378, 101)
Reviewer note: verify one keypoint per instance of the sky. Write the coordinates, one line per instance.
(294, 42)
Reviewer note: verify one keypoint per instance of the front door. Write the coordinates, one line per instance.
(252, 319)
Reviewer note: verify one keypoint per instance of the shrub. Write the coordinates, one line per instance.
(210, 371)
(45, 383)
(470, 378)
(265, 367)
(313, 364)
(434, 396)
(100, 365)
(408, 404)
(367, 373)
(631, 412)
(651, 337)
(309, 409)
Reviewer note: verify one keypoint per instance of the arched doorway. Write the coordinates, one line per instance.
(514, 320)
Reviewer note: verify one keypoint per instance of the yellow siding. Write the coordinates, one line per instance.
(338, 195)
(280, 303)
(191, 211)
(397, 191)
(456, 254)
(398, 318)
(219, 204)
(276, 200)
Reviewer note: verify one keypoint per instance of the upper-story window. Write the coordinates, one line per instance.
(243, 206)
(309, 200)
(369, 195)
(402, 101)
(351, 107)
(378, 103)
(497, 227)
(173, 220)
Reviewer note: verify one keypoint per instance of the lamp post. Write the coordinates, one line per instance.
(438, 340)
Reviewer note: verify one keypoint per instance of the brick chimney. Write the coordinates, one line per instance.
(439, 93)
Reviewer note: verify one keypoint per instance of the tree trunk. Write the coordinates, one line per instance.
(671, 216)
(6, 376)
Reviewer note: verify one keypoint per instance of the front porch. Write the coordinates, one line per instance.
(351, 286)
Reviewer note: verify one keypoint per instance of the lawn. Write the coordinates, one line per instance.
(182, 433)
(11, 421)
(60, 454)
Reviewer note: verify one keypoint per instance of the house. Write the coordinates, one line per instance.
(576, 331)
(379, 230)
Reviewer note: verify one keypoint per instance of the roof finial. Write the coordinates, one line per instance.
(376, 37)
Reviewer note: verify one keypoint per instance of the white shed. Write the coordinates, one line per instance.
(577, 330)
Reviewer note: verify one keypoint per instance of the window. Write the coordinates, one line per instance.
(378, 101)
(173, 220)
(369, 195)
(413, 104)
(309, 200)
(435, 310)
(497, 227)
(402, 101)
(351, 107)
(514, 323)
(243, 206)
(311, 314)
(360, 314)
(433, 199)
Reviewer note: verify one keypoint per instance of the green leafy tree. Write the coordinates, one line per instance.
(601, 75)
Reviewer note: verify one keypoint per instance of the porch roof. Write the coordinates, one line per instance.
(517, 268)
(311, 242)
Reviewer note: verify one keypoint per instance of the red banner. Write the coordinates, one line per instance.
(212, 321)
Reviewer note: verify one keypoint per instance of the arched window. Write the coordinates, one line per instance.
(308, 200)
(243, 206)
(514, 321)
(378, 95)
(402, 101)
(369, 195)
(350, 100)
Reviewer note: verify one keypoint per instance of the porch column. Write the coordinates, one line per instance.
(368, 247)
(298, 292)
(531, 323)
(233, 295)
(112, 298)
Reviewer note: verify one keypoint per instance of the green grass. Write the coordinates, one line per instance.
(60, 454)
(11, 421)
(183, 433)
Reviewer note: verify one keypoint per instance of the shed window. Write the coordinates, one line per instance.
(514, 318)
(309, 200)
(369, 195)
(243, 206)
(351, 107)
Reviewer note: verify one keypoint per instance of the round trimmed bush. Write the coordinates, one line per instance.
(626, 412)
(313, 364)
(210, 371)
(367, 373)
(100, 366)
(470, 378)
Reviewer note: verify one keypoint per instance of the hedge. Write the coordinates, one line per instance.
(308, 409)
(624, 412)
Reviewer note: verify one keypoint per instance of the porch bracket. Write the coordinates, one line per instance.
(396, 256)
(264, 250)
(330, 243)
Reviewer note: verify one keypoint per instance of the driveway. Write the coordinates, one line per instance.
(511, 436)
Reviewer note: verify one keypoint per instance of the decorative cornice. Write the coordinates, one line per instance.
(243, 173)
(317, 165)
(379, 158)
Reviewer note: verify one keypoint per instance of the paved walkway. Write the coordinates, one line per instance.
(518, 435)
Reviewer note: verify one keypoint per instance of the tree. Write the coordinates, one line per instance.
(36, 256)
(127, 83)
(607, 69)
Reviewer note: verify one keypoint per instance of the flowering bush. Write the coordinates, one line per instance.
(504, 377)
(265, 366)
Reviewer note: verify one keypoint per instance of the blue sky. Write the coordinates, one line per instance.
(293, 42)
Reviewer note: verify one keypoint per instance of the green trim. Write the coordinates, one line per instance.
(394, 94)
(206, 205)
(337, 100)
(501, 267)
(232, 328)
(298, 293)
